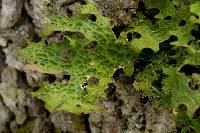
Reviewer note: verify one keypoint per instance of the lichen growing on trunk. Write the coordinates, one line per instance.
(127, 66)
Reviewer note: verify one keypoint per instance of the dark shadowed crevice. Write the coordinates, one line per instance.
(119, 73)
(157, 84)
(151, 13)
(2, 61)
(173, 38)
(120, 76)
(142, 7)
(189, 69)
(0, 4)
(172, 62)
(146, 54)
(182, 108)
(110, 90)
(21, 79)
(37, 38)
(129, 36)
(168, 18)
(25, 18)
(139, 65)
(182, 23)
(145, 99)
(86, 122)
(117, 30)
(144, 59)
(92, 17)
(197, 113)
(51, 78)
(136, 35)
(165, 45)
(196, 33)
(66, 77)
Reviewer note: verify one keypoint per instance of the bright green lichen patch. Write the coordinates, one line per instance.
(90, 53)
(194, 8)
(154, 33)
(190, 124)
(193, 59)
(46, 57)
(143, 81)
(96, 54)
(80, 22)
(149, 79)
(177, 83)
(166, 7)
(160, 78)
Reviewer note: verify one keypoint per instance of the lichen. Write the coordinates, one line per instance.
(97, 54)
(90, 52)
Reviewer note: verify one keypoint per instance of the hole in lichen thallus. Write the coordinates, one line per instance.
(196, 33)
(63, 78)
(172, 61)
(66, 77)
(51, 78)
(151, 13)
(146, 54)
(189, 69)
(157, 85)
(168, 18)
(120, 76)
(165, 45)
(129, 36)
(173, 38)
(117, 30)
(182, 23)
(92, 17)
(91, 46)
(140, 64)
(78, 105)
(182, 108)
(136, 35)
(46, 42)
(197, 113)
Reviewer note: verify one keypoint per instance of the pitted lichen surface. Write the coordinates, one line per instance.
(167, 23)
(97, 54)
(90, 51)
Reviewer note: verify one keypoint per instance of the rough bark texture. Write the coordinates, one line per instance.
(125, 110)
